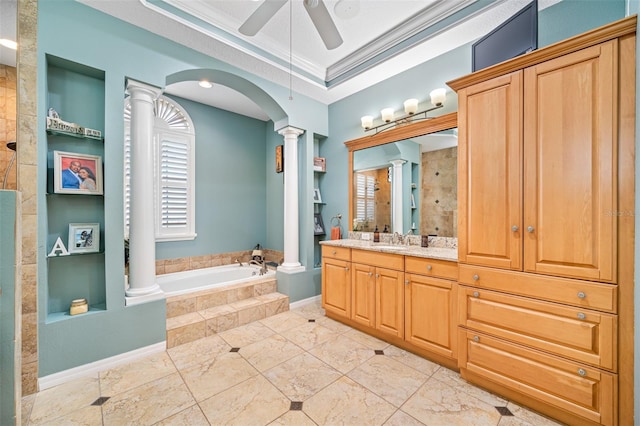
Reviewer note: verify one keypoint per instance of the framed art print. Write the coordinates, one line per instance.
(84, 238)
(75, 173)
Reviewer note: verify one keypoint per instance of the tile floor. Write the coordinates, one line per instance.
(296, 368)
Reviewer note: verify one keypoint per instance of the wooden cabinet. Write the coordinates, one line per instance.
(430, 314)
(336, 280)
(573, 387)
(538, 167)
(377, 297)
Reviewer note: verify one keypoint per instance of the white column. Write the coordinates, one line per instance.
(291, 221)
(396, 196)
(142, 242)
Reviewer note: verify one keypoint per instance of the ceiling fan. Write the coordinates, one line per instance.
(315, 8)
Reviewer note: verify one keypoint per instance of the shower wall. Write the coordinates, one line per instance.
(7, 123)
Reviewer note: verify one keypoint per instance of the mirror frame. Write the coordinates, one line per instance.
(418, 128)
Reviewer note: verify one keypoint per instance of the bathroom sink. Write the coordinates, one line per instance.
(387, 247)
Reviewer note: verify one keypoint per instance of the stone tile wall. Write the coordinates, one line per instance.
(182, 264)
(439, 203)
(8, 111)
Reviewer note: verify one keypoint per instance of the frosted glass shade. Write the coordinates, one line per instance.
(437, 96)
(411, 106)
(387, 115)
(367, 122)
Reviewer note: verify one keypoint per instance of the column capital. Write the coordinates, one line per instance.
(136, 87)
(290, 131)
(397, 163)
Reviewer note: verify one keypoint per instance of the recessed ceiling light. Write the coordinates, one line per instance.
(9, 43)
(205, 84)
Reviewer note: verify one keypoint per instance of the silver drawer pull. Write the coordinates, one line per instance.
(476, 294)
(370, 273)
(346, 268)
(581, 316)
(582, 372)
(429, 267)
(335, 252)
(476, 277)
(377, 275)
(514, 228)
(530, 229)
(581, 294)
(406, 282)
(476, 339)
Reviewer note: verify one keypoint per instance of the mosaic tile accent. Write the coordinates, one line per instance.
(234, 350)
(98, 402)
(296, 406)
(504, 411)
(379, 352)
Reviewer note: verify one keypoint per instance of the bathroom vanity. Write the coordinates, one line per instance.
(405, 295)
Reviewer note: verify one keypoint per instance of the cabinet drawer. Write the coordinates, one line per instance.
(582, 390)
(584, 335)
(584, 294)
(342, 253)
(375, 258)
(431, 267)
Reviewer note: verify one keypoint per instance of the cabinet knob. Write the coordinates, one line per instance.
(476, 277)
(582, 372)
(406, 282)
(582, 295)
(514, 228)
(530, 229)
(370, 273)
(429, 267)
(581, 315)
(476, 294)
(346, 268)
(377, 275)
(334, 252)
(476, 339)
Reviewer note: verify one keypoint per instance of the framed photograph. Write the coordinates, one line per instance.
(319, 164)
(84, 238)
(316, 196)
(318, 225)
(77, 173)
(279, 158)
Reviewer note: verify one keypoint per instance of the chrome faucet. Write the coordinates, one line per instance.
(397, 238)
(261, 264)
(238, 261)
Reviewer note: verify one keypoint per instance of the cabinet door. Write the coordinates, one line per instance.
(570, 165)
(336, 287)
(390, 302)
(489, 168)
(430, 306)
(363, 294)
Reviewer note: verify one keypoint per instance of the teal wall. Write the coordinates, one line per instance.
(240, 196)
(8, 314)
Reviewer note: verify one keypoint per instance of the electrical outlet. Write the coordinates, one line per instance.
(366, 236)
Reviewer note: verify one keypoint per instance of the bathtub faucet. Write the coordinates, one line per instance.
(238, 261)
(261, 264)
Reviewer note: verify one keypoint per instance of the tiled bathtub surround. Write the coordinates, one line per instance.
(208, 312)
(282, 370)
(182, 264)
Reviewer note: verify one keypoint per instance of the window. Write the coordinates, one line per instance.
(173, 140)
(365, 207)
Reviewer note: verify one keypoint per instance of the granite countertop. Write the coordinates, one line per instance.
(440, 253)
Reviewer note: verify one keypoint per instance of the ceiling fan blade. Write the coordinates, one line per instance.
(261, 16)
(324, 24)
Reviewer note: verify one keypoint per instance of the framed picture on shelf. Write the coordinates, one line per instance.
(75, 173)
(279, 158)
(84, 238)
(318, 225)
(319, 164)
(317, 199)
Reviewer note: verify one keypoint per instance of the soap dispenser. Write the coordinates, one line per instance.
(376, 235)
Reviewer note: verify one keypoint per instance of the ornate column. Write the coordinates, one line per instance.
(396, 196)
(142, 241)
(291, 220)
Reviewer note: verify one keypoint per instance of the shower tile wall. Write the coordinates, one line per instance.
(7, 123)
(439, 205)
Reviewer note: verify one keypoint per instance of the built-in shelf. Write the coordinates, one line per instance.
(73, 135)
(65, 315)
(76, 254)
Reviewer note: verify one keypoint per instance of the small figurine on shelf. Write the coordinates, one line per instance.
(52, 113)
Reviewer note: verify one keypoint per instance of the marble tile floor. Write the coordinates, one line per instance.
(295, 368)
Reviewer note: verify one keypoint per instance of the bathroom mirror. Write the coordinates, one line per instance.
(405, 179)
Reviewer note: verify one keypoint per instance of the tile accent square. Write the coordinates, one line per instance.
(297, 405)
(504, 411)
(312, 320)
(379, 352)
(234, 349)
(98, 402)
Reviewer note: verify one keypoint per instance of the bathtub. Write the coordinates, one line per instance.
(177, 283)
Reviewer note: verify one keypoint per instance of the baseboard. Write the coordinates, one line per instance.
(92, 368)
(304, 302)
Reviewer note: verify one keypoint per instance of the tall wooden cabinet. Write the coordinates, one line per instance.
(540, 143)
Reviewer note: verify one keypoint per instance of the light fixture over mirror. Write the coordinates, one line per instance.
(411, 113)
